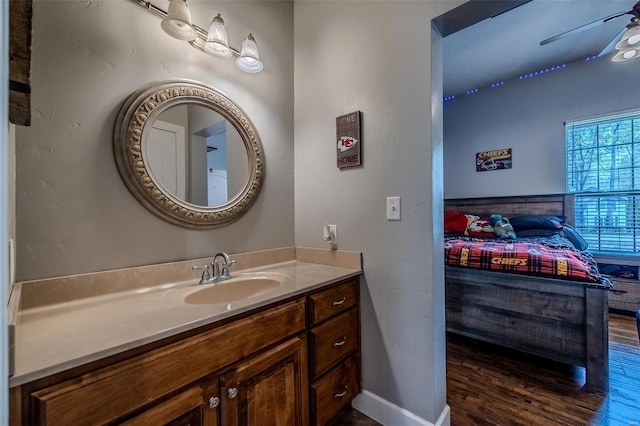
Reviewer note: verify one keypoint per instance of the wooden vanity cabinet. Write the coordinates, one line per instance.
(334, 349)
(170, 381)
(259, 369)
(194, 406)
(269, 389)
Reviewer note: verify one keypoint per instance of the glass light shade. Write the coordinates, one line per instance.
(217, 43)
(626, 55)
(178, 21)
(249, 59)
(631, 38)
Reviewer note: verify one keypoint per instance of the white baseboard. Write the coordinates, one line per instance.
(389, 414)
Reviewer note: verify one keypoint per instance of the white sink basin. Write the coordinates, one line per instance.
(233, 290)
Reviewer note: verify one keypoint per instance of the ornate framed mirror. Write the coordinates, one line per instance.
(188, 153)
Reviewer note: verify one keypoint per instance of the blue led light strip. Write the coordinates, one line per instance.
(522, 77)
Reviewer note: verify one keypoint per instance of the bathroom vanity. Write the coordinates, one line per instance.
(287, 356)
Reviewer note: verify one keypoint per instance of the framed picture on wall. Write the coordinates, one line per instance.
(498, 159)
(349, 140)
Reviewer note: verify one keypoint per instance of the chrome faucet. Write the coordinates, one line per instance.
(224, 274)
(217, 274)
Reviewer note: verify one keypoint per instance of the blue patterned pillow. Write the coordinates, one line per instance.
(522, 223)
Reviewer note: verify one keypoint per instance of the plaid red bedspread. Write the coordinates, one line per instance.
(522, 257)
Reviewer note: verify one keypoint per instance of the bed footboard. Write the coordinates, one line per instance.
(597, 337)
(564, 321)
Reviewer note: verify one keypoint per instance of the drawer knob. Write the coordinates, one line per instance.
(214, 401)
(232, 392)
(339, 302)
(341, 394)
(341, 342)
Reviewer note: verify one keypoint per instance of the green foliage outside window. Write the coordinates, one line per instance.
(603, 169)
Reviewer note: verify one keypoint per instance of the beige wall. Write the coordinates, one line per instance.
(74, 213)
(375, 57)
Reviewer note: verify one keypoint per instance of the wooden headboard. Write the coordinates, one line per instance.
(556, 204)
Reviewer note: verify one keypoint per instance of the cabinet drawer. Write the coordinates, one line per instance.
(333, 340)
(333, 300)
(334, 391)
(185, 406)
(105, 395)
(626, 295)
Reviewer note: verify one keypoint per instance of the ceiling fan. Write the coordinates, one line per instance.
(627, 42)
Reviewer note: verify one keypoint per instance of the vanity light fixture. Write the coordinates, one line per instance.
(249, 60)
(177, 23)
(217, 43)
(629, 45)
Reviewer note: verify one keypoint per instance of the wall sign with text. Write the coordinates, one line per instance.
(349, 140)
(497, 159)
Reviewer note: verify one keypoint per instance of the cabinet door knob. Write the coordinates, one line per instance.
(232, 392)
(339, 302)
(341, 394)
(214, 401)
(341, 342)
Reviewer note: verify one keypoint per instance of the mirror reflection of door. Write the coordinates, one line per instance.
(217, 164)
(226, 162)
(167, 154)
(211, 161)
(218, 158)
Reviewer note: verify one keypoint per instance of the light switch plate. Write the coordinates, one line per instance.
(393, 208)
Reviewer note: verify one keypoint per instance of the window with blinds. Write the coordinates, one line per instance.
(603, 170)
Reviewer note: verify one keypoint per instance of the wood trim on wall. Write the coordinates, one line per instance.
(20, 18)
(550, 204)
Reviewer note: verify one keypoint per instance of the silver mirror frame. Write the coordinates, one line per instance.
(130, 137)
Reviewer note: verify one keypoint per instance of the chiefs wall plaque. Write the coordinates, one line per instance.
(498, 159)
(349, 140)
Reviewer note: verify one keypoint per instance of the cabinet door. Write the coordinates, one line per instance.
(196, 406)
(269, 389)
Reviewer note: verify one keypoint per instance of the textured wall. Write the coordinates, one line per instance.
(375, 57)
(74, 213)
(529, 117)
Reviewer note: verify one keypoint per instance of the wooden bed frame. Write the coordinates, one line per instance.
(565, 321)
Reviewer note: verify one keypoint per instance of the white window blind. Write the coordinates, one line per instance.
(603, 170)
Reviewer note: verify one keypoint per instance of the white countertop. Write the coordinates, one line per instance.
(50, 339)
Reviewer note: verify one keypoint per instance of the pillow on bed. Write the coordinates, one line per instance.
(576, 239)
(455, 222)
(522, 223)
(479, 227)
(538, 232)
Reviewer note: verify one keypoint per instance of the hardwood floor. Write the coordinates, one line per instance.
(353, 417)
(489, 385)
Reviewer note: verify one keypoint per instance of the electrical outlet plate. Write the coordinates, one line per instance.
(334, 230)
(330, 235)
(393, 208)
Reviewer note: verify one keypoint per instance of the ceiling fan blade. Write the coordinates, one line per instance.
(612, 45)
(584, 27)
